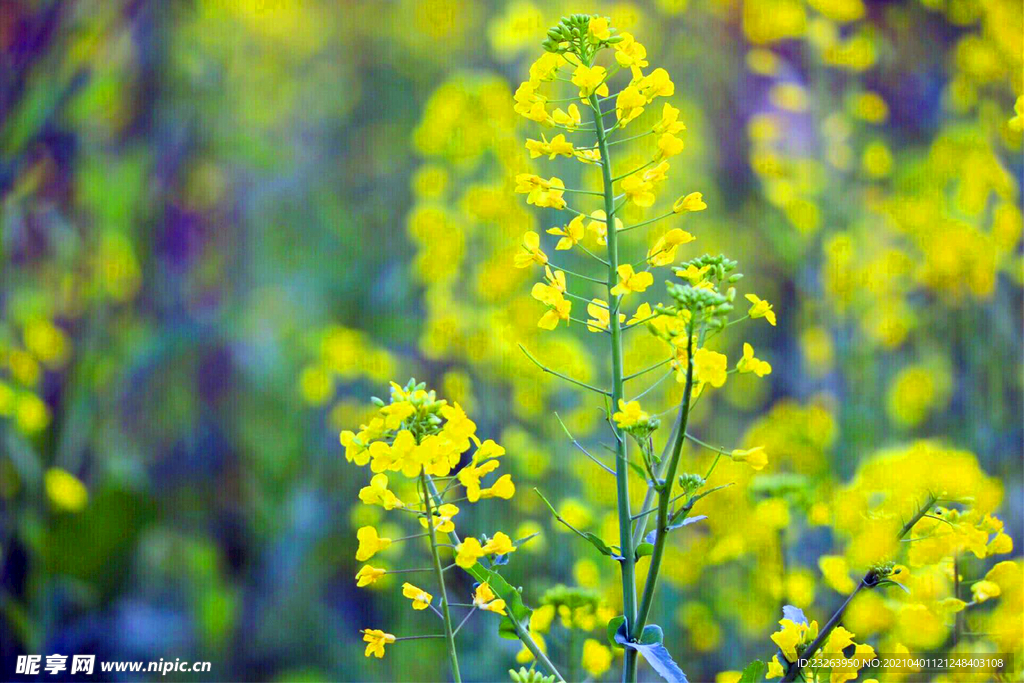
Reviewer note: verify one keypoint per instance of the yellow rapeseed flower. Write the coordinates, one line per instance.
(376, 639)
(420, 598)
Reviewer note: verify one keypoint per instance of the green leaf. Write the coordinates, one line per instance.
(613, 626)
(652, 635)
(514, 604)
(651, 647)
(596, 541)
(592, 538)
(644, 549)
(753, 673)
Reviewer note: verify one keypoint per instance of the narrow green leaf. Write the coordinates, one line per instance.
(753, 673)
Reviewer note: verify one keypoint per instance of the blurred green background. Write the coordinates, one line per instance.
(225, 223)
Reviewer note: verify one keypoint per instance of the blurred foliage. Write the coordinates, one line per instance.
(225, 222)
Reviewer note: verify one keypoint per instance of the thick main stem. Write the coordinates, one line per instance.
(628, 561)
(449, 635)
(665, 491)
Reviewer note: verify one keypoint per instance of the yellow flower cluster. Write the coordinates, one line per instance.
(421, 437)
(44, 347)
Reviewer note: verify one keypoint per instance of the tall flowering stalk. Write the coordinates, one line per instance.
(701, 297)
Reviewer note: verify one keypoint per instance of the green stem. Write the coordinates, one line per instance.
(665, 492)
(627, 563)
(449, 635)
(868, 581)
(571, 667)
(524, 635)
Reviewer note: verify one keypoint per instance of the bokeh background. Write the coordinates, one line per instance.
(225, 223)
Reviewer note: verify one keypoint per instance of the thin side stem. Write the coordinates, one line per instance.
(524, 635)
(446, 616)
(665, 492)
(558, 374)
(648, 221)
(868, 581)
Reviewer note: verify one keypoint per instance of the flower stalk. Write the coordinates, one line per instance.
(446, 616)
(664, 491)
(870, 580)
(628, 561)
(430, 488)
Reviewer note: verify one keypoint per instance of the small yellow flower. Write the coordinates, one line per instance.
(710, 367)
(540, 192)
(669, 145)
(571, 234)
(468, 552)
(750, 364)
(558, 146)
(691, 202)
(65, 491)
(485, 599)
(470, 476)
(985, 590)
(590, 79)
(643, 313)
(638, 191)
(489, 449)
(656, 84)
(629, 414)
(598, 29)
(354, 452)
(599, 226)
(377, 493)
(369, 575)
(760, 309)
(630, 53)
(755, 457)
(420, 598)
(532, 252)
(669, 122)
(664, 250)
(629, 104)
(370, 543)
(500, 544)
(443, 517)
(551, 295)
(775, 669)
(530, 103)
(793, 634)
(597, 657)
(630, 281)
(600, 317)
(376, 639)
(571, 119)
(502, 488)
